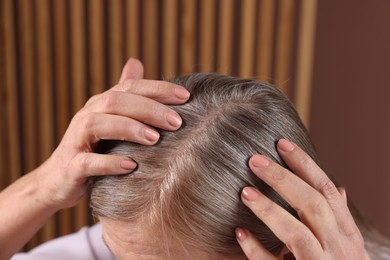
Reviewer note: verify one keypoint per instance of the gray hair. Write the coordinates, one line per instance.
(190, 182)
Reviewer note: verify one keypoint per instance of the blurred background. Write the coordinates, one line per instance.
(332, 59)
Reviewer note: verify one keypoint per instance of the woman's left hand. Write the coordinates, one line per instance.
(327, 230)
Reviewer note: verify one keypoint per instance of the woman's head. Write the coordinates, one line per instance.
(186, 189)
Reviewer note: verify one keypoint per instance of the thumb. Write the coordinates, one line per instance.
(133, 69)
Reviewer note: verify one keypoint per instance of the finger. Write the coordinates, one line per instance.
(92, 164)
(297, 237)
(313, 209)
(343, 194)
(133, 69)
(97, 126)
(137, 107)
(161, 91)
(252, 248)
(303, 166)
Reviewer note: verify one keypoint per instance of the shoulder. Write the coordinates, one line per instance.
(85, 244)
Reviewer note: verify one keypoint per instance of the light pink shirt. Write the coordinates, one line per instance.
(84, 245)
(87, 244)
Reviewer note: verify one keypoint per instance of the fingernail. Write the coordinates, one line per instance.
(241, 234)
(182, 93)
(151, 135)
(128, 164)
(259, 161)
(174, 119)
(249, 194)
(285, 145)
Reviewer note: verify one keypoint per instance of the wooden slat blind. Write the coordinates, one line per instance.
(55, 54)
(169, 38)
(247, 38)
(225, 36)
(265, 39)
(188, 36)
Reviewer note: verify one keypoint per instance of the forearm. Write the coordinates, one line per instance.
(24, 209)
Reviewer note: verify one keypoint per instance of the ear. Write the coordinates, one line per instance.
(133, 69)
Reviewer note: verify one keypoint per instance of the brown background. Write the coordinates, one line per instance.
(54, 54)
(350, 119)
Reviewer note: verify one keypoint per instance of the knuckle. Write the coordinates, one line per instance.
(355, 237)
(267, 210)
(317, 206)
(129, 86)
(327, 188)
(83, 164)
(299, 240)
(279, 176)
(253, 253)
(279, 179)
(78, 117)
(158, 91)
(92, 99)
(108, 100)
(155, 89)
(159, 111)
(305, 161)
(88, 121)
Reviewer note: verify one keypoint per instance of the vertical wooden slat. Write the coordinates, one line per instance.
(115, 33)
(265, 39)
(45, 92)
(62, 84)
(247, 38)
(225, 37)
(78, 54)
(133, 29)
(3, 107)
(6, 23)
(284, 44)
(28, 76)
(45, 78)
(61, 66)
(96, 48)
(169, 35)
(11, 92)
(187, 36)
(79, 80)
(304, 72)
(207, 35)
(150, 38)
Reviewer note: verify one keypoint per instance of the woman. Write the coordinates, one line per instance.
(183, 200)
(14, 203)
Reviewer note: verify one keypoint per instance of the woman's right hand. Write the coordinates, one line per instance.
(128, 111)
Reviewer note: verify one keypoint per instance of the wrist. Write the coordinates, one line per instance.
(25, 208)
(41, 188)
